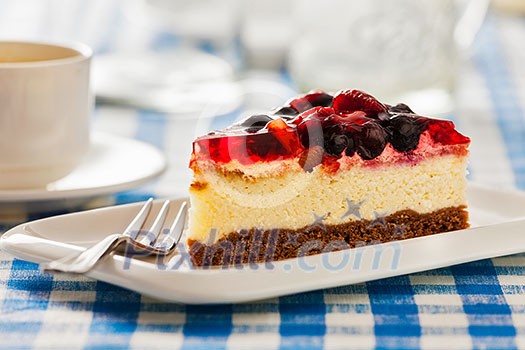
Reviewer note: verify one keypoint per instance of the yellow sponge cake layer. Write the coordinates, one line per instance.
(223, 202)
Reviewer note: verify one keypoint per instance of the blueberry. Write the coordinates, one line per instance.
(371, 140)
(405, 131)
(400, 108)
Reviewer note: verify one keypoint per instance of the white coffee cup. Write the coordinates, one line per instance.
(45, 107)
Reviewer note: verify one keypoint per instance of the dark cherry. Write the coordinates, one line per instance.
(254, 123)
(320, 114)
(357, 118)
(309, 101)
(311, 133)
(371, 140)
(319, 99)
(405, 131)
(255, 120)
(400, 108)
(350, 147)
(335, 140)
(349, 101)
(311, 125)
(286, 111)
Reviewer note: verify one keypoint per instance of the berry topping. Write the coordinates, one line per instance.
(254, 123)
(335, 140)
(319, 98)
(311, 123)
(358, 118)
(286, 135)
(306, 102)
(320, 129)
(317, 113)
(349, 101)
(405, 131)
(443, 131)
(350, 147)
(400, 108)
(286, 110)
(371, 140)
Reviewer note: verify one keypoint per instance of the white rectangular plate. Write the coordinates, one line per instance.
(498, 228)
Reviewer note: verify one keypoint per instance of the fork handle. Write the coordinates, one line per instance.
(85, 261)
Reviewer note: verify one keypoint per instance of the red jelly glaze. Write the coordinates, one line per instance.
(444, 132)
(247, 148)
(286, 135)
(319, 120)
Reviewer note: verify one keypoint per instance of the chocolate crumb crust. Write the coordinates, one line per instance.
(256, 246)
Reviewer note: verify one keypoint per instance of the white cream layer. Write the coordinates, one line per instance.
(229, 203)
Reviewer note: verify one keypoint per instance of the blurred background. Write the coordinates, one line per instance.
(177, 68)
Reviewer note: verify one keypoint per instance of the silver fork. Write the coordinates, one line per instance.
(85, 261)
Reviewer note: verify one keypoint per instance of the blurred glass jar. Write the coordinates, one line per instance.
(213, 20)
(398, 50)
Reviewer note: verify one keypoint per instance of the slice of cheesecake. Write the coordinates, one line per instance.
(324, 173)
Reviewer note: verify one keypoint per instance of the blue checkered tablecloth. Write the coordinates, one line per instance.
(476, 305)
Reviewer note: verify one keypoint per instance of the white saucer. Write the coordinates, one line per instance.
(112, 164)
